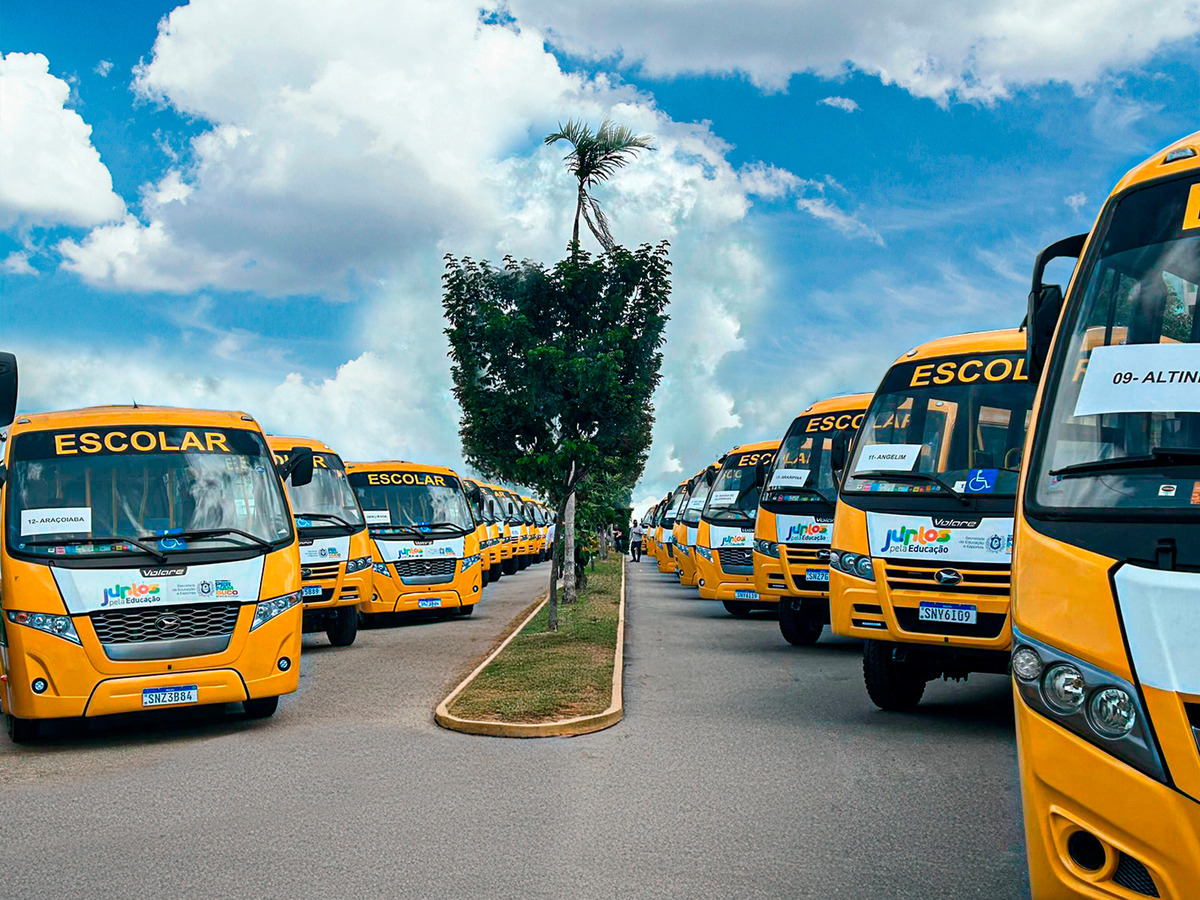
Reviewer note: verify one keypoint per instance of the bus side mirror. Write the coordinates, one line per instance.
(760, 473)
(839, 449)
(299, 467)
(1045, 304)
(3, 474)
(8, 389)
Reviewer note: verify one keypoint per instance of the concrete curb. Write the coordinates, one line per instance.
(561, 727)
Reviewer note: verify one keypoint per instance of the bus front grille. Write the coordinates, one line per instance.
(978, 579)
(736, 561)
(165, 632)
(320, 571)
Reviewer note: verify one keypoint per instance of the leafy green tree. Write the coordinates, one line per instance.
(594, 158)
(555, 368)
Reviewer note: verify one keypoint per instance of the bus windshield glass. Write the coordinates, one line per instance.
(734, 494)
(1124, 423)
(147, 489)
(406, 503)
(801, 472)
(674, 507)
(327, 501)
(950, 425)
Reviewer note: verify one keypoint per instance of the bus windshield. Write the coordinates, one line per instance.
(801, 472)
(953, 425)
(147, 489)
(674, 507)
(1124, 421)
(697, 497)
(327, 501)
(734, 494)
(412, 503)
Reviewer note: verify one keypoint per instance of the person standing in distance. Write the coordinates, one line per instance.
(636, 533)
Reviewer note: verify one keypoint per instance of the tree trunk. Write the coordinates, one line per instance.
(555, 570)
(569, 547)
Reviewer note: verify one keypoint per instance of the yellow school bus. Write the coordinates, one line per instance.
(148, 559)
(667, 559)
(795, 517)
(688, 522)
(485, 508)
(1106, 635)
(922, 537)
(516, 536)
(335, 550)
(724, 551)
(652, 530)
(426, 549)
(508, 539)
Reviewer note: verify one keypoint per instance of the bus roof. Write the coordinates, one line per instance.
(837, 404)
(134, 415)
(760, 445)
(285, 442)
(391, 465)
(1157, 167)
(1005, 340)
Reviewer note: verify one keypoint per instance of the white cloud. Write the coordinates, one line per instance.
(49, 171)
(1076, 201)
(845, 104)
(103, 68)
(939, 49)
(17, 263)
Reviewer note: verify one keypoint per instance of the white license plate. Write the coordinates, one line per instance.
(746, 595)
(429, 604)
(310, 590)
(957, 613)
(816, 575)
(170, 696)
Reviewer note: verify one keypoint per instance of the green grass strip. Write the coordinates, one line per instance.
(542, 676)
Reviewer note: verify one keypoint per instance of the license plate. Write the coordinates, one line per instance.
(429, 604)
(816, 575)
(170, 696)
(746, 595)
(310, 590)
(957, 613)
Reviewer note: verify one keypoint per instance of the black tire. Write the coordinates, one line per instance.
(796, 627)
(738, 608)
(260, 707)
(22, 731)
(509, 566)
(343, 626)
(483, 579)
(892, 685)
(494, 573)
(465, 611)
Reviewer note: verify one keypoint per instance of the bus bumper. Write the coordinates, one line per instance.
(417, 601)
(1069, 785)
(768, 578)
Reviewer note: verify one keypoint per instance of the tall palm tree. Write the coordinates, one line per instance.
(593, 158)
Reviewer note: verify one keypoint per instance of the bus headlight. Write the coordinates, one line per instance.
(358, 564)
(855, 564)
(380, 568)
(1092, 703)
(266, 610)
(468, 561)
(59, 626)
(767, 548)
(705, 552)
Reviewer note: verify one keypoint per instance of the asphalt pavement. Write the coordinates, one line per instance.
(743, 768)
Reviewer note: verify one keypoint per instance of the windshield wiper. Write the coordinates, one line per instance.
(328, 517)
(729, 510)
(805, 490)
(914, 478)
(200, 533)
(1158, 457)
(62, 542)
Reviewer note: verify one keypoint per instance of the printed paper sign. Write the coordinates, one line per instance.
(1141, 378)
(804, 529)
(722, 536)
(63, 520)
(325, 550)
(723, 498)
(935, 538)
(789, 478)
(92, 590)
(377, 516)
(696, 503)
(391, 551)
(888, 458)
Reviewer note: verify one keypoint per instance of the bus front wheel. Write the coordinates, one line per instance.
(509, 566)
(260, 707)
(737, 608)
(896, 685)
(796, 626)
(343, 626)
(21, 731)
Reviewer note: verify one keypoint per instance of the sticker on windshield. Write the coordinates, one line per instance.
(888, 458)
(1141, 378)
(63, 520)
(981, 481)
(723, 498)
(377, 516)
(789, 478)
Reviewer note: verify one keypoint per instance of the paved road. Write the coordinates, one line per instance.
(743, 768)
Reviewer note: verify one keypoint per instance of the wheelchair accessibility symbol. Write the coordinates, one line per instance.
(981, 481)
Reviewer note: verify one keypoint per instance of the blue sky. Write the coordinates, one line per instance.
(258, 214)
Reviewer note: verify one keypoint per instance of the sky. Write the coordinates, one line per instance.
(246, 203)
